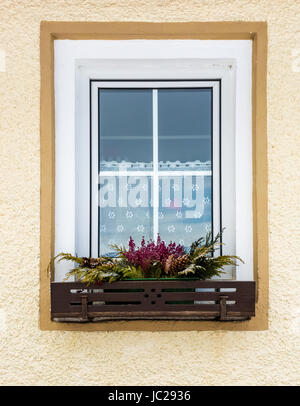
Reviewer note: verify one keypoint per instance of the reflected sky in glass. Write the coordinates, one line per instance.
(125, 131)
(184, 125)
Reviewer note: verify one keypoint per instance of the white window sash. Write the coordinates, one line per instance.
(155, 173)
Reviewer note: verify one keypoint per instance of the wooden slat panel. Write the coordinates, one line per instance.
(181, 315)
(148, 301)
(128, 308)
(173, 307)
(166, 295)
(158, 284)
(132, 296)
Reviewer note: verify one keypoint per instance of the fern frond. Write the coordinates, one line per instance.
(63, 256)
(190, 270)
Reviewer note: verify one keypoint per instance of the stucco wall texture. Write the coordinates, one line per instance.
(33, 357)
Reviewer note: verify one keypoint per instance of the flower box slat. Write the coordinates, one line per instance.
(179, 315)
(170, 308)
(167, 296)
(145, 284)
(132, 308)
(153, 299)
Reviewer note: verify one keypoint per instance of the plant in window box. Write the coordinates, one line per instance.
(153, 260)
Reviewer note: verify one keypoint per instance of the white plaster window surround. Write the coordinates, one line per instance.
(80, 65)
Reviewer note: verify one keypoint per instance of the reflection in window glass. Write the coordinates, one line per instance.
(125, 129)
(184, 145)
(184, 127)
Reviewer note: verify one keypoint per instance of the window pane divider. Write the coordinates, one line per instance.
(155, 181)
(159, 173)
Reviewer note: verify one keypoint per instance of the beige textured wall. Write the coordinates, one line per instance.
(30, 356)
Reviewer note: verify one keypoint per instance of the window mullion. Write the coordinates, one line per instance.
(155, 189)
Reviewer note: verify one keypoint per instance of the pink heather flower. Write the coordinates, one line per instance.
(151, 252)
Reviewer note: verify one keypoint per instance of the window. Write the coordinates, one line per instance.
(75, 54)
(152, 162)
(158, 140)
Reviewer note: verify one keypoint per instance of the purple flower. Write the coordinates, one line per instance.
(151, 252)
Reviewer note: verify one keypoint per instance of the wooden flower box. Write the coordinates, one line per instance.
(153, 299)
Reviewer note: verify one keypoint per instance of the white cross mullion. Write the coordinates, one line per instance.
(150, 173)
(155, 180)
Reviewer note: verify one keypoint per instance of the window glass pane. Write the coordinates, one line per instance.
(184, 129)
(185, 140)
(185, 208)
(184, 145)
(124, 210)
(125, 131)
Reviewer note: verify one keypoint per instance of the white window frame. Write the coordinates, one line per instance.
(77, 62)
(155, 173)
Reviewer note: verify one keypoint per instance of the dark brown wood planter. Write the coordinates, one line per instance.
(153, 299)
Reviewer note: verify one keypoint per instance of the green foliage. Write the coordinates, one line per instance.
(202, 263)
(205, 267)
(155, 270)
(119, 250)
(104, 274)
(63, 256)
(207, 245)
